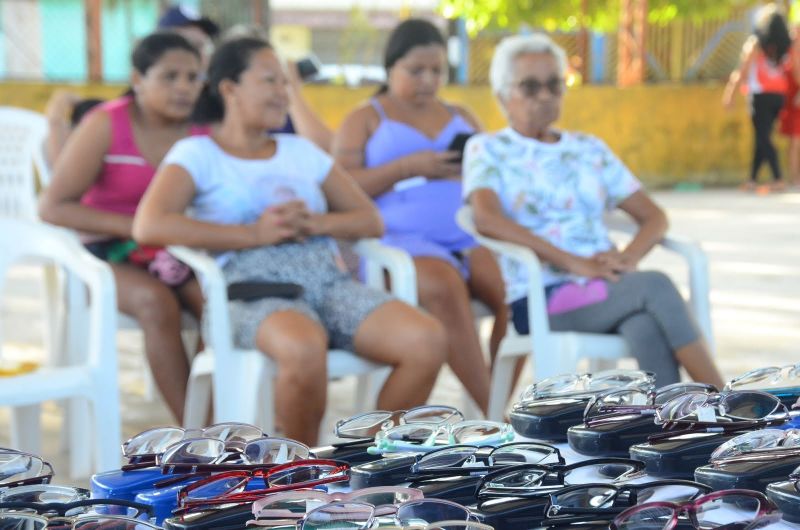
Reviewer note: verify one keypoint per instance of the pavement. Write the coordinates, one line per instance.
(752, 242)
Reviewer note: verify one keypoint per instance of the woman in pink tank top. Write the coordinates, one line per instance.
(102, 174)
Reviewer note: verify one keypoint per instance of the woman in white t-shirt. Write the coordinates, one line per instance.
(269, 206)
(546, 189)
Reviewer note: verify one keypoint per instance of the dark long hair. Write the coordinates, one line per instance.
(772, 33)
(228, 62)
(152, 48)
(406, 35)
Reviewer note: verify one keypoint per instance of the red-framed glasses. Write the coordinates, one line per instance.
(708, 511)
(231, 487)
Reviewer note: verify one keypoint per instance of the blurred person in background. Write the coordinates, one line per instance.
(548, 189)
(397, 146)
(102, 174)
(269, 206)
(762, 71)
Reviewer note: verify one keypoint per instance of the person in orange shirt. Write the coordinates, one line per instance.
(763, 73)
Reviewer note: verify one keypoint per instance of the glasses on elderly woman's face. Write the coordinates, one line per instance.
(530, 87)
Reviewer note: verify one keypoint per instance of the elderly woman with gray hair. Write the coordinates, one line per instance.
(547, 189)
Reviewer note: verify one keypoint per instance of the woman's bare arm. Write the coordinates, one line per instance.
(352, 214)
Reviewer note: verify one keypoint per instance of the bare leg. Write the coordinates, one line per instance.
(696, 358)
(299, 346)
(443, 292)
(191, 297)
(486, 284)
(155, 307)
(414, 343)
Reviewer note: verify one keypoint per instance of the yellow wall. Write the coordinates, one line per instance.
(666, 134)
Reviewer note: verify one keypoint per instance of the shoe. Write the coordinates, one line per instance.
(764, 189)
(778, 186)
(747, 186)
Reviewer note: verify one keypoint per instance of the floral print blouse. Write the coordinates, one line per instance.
(559, 191)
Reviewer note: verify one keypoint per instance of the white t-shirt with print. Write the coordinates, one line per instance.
(232, 190)
(559, 191)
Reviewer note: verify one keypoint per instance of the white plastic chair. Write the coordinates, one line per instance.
(91, 377)
(22, 136)
(243, 380)
(557, 352)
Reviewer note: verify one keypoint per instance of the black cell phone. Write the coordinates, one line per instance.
(458, 144)
(255, 290)
(308, 67)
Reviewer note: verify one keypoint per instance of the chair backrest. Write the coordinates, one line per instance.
(22, 136)
(22, 239)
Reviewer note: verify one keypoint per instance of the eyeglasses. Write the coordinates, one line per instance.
(583, 384)
(18, 469)
(207, 453)
(767, 521)
(766, 376)
(295, 504)
(628, 401)
(465, 459)
(531, 87)
(95, 507)
(143, 448)
(595, 499)
(44, 493)
(415, 513)
(231, 487)
(422, 437)
(371, 423)
(529, 480)
(709, 511)
(28, 521)
(757, 442)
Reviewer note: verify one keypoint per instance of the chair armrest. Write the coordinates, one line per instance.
(397, 263)
(216, 327)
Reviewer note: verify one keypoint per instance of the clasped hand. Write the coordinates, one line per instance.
(607, 265)
(290, 221)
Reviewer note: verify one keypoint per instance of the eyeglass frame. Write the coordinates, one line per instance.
(690, 507)
(417, 474)
(778, 370)
(62, 507)
(470, 516)
(647, 379)
(385, 445)
(72, 520)
(400, 414)
(38, 479)
(185, 504)
(559, 470)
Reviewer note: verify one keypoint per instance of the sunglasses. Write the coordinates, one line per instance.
(231, 487)
(83, 507)
(467, 459)
(29, 521)
(531, 87)
(585, 384)
(530, 480)
(142, 449)
(708, 511)
(360, 515)
(764, 441)
(369, 424)
(422, 437)
(276, 508)
(612, 404)
(18, 468)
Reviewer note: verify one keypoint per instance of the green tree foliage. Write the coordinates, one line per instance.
(569, 15)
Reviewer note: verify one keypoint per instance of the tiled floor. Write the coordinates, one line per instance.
(753, 245)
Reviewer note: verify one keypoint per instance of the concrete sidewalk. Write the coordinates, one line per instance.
(753, 245)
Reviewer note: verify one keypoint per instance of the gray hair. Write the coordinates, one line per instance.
(501, 73)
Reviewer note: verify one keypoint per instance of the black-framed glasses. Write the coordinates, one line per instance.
(529, 480)
(629, 401)
(369, 424)
(719, 508)
(531, 87)
(596, 499)
(18, 468)
(83, 507)
(572, 385)
(468, 459)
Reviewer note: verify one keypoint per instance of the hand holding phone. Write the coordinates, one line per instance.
(458, 144)
(308, 67)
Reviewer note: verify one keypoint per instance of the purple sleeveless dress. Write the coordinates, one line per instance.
(420, 214)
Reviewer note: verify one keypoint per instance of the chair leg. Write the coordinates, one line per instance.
(79, 437)
(501, 381)
(106, 427)
(26, 428)
(198, 391)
